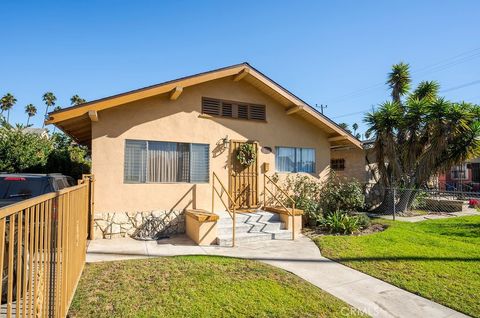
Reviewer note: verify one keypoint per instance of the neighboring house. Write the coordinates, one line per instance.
(154, 149)
(42, 132)
(465, 177)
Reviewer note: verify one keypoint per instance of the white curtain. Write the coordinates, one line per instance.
(168, 162)
(285, 159)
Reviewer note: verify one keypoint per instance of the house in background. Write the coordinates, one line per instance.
(154, 150)
(463, 177)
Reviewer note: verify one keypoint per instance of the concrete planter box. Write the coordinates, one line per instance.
(442, 205)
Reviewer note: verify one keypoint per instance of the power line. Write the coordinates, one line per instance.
(460, 86)
(432, 68)
(443, 91)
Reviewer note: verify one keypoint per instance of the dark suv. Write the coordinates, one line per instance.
(20, 186)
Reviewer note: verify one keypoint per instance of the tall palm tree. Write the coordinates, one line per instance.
(399, 80)
(77, 100)
(49, 100)
(56, 109)
(7, 102)
(419, 136)
(31, 111)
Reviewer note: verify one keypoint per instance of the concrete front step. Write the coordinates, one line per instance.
(260, 216)
(246, 227)
(226, 240)
(251, 227)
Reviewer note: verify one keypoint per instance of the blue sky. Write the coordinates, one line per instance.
(327, 52)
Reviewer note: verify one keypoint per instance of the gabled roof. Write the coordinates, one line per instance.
(76, 120)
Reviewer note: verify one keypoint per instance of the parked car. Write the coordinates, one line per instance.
(15, 188)
(20, 186)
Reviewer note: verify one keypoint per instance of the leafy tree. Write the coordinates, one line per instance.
(67, 157)
(7, 102)
(20, 151)
(418, 134)
(77, 100)
(31, 111)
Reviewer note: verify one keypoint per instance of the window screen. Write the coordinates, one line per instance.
(165, 162)
(289, 159)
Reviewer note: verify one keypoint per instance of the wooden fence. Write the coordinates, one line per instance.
(43, 244)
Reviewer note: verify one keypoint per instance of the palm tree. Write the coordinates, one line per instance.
(399, 80)
(77, 100)
(49, 100)
(31, 111)
(7, 102)
(345, 127)
(418, 136)
(56, 109)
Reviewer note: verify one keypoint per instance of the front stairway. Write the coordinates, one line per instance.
(251, 227)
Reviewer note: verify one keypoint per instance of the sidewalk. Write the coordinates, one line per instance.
(431, 216)
(301, 257)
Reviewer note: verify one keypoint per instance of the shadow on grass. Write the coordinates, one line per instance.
(309, 260)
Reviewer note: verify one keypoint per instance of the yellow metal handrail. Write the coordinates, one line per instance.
(43, 242)
(290, 213)
(231, 212)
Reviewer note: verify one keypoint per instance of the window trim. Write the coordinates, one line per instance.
(459, 168)
(295, 164)
(147, 162)
(338, 168)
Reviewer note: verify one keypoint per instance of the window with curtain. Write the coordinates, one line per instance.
(165, 162)
(290, 159)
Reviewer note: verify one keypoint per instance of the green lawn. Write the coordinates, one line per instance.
(198, 286)
(437, 259)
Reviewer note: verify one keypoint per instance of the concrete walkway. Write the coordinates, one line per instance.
(301, 257)
(431, 216)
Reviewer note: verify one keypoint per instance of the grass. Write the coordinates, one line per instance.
(437, 259)
(199, 286)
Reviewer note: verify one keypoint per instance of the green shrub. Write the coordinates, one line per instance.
(318, 199)
(340, 194)
(340, 222)
(363, 220)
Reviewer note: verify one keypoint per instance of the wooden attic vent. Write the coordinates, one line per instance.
(231, 109)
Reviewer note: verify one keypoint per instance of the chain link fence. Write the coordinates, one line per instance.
(412, 202)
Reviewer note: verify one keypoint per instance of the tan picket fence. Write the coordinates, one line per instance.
(43, 244)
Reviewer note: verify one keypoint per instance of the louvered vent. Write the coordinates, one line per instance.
(257, 112)
(230, 109)
(211, 106)
(227, 109)
(243, 111)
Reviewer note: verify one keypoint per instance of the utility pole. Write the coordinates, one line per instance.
(321, 107)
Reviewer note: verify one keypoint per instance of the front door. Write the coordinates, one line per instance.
(243, 183)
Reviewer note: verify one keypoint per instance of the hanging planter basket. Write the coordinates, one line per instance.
(246, 154)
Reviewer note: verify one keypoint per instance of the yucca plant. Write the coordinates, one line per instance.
(417, 135)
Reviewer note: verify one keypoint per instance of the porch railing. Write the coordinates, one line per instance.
(231, 202)
(290, 212)
(42, 251)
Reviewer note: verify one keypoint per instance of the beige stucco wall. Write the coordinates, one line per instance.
(355, 163)
(161, 119)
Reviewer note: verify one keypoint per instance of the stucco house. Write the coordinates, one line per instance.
(154, 150)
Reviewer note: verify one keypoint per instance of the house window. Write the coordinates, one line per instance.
(231, 109)
(289, 159)
(165, 162)
(337, 164)
(459, 172)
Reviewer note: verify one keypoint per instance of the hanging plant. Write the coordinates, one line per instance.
(246, 154)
